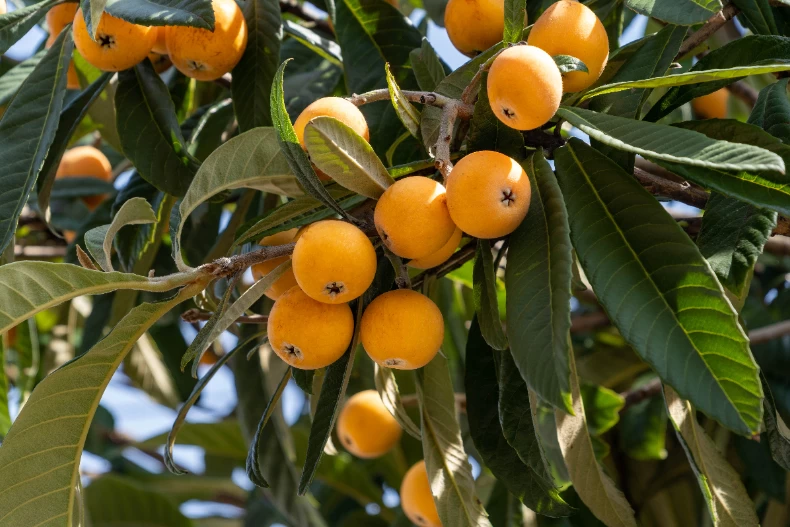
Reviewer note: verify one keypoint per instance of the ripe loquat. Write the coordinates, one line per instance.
(712, 105)
(286, 280)
(488, 194)
(119, 44)
(85, 161)
(60, 16)
(412, 217)
(524, 105)
(571, 28)
(208, 55)
(334, 262)
(160, 44)
(402, 329)
(474, 25)
(161, 63)
(416, 497)
(365, 426)
(440, 256)
(337, 107)
(308, 334)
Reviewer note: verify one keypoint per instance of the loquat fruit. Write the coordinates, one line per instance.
(334, 262)
(308, 334)
(119, 44)
(402, 329)
(571, 28)
(488, 194)
(207, 55)
(474, 25)
(440, 256)
(412, 217)
(160, 44)
(712, 105)
(161, 63)
(337, 107)
(72, 79)
(69, 236)
(85, 161)
(416, 497)
(3, 7)
(365, 426)
(286, 280)
(524, 105)
(60, 16)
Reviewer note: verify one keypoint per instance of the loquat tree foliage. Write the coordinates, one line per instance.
(546, 288)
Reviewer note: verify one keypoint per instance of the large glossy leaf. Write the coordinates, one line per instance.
(751, 50)
(485, 296)
(113, 500)
(515, 17)
(136, 211)
(593, 486)
(758, 16)
(732, 236)
(346, 157)
(387, 386)
(538, 278)
(771, 112)
(196, 13)
(681, 12)
(664, 143)
(253, 75)
(150, 134)
(255, 459)
(727, 499)
(531, 484)
(658, 289)
(40, 455)
(325, 48)
(250, 160)
(15, 24)
(446, 460)
(27, 129)
(12, 79)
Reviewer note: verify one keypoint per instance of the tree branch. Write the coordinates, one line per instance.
(196, 315)
(423, 97)
(298, 11)
(677, 191)
(708, 28)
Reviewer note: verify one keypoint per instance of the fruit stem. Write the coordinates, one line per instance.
(470, 92)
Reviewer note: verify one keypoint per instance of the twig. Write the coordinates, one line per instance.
(39, 252)
(235, 264)
(441, 149)
(646, 391)
(677, 191)
(423, 97)
(589, 322)
(744, 92)
(768, 333)
(298, 11)
(708, 28)
(196, 315)
(458, 259)
(470, 92)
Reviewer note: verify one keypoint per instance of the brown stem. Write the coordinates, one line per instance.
(678, 191)
(458, 259)
(744, 92)
(236, 264)
(196, 315)
(768, 333)
(441, 149)
(637, 395)
(708, 28)
(422, 97)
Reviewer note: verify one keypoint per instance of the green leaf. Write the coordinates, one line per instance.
(254, 459)
(209, 132)
(149, 130)
(761, 189)
(485, 294)
(538, 279)
(778, 433)
(650, 277)
(515, 17)
(387, 386)
(330, 400)
(567, 64)
(407, 113)
(643, 426)
(27, 129)
(223, 438)
(681, 12)
(5, 416)
(195, 13)
(12, 79)
(292, 151)
(136, 211)
(732, 237)
(446, 460)
(487, 132)
(428, 68)
(758, 15)
(772, 110)
(751, 50)
(528, 482)
(40, 455)
(727, 499)
(15, 24)
(346, 157)
(102, 111)
(593, 486)
(328, 49)
(250, 160)
(70, 120)
(117, 500)
(92, 10)
(601, 408)
(253, 75)
(303, 379)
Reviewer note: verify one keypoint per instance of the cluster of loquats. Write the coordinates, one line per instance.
(197, 53)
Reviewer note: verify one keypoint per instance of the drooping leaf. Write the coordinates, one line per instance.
(515, 17)
(117, 500)
(195, 13)
(254, 458)
(136, 211)
(778, 433)
(662, 142)
(485, 295)
(530, 483)
(223, 438)
(772, 110)
(40, 476)
(27, 129)
(209, 132)
(758, 16)
(567, 64)
(12, 79)
(407, 113)
(727, 499)
(446, 460)
(651, 277)
(387, 386)
(253, 75)
(681, 12)
(601, 408)
(14, 25)
(345, 156)
(593, 486)
(428, 68)
(538, 279)
(150, 134)
(328, 49)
